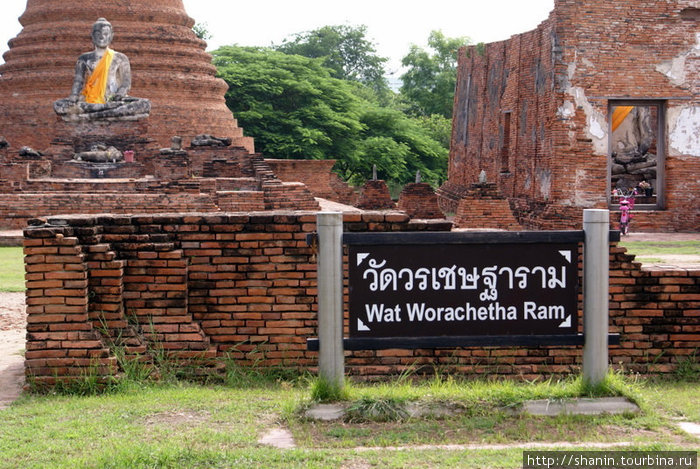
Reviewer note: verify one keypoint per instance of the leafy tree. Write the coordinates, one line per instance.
(201, 30)
(429, 83)
(294, 108)
(400, 146)
(290, 104)
(344, 49)
(437, 126)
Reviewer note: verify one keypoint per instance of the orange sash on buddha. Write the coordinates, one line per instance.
(619, 115)
(96, 85)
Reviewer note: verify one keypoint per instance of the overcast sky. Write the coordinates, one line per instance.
(393, 25)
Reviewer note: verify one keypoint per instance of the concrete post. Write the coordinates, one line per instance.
(330, 298)
(596, 278)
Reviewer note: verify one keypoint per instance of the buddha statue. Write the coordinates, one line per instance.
(101, 84)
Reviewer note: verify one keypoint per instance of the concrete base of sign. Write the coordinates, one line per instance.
(326, 412)
(581, 406)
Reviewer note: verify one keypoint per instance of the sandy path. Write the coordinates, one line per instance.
(12, 340)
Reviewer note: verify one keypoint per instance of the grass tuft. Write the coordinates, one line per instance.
(11, 269)
(376, 410)
(323, 390)
(688, 368)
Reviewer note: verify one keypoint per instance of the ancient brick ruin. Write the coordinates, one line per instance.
(188, 155)
(169, 66)
(143, 269)
(204, 287)
(603, 95)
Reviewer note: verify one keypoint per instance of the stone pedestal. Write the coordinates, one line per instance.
(82, 136)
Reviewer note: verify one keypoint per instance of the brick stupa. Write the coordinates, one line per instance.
(172, 145)
(169, 67)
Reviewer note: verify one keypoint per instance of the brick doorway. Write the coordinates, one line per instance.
(637, 153)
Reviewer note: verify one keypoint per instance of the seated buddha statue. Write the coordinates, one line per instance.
(101, 84)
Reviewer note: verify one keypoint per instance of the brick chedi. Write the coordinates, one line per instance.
(375, 196)
(83, 145)
(419, 201)
(169, 67)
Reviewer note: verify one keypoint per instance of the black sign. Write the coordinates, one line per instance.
(463, 290)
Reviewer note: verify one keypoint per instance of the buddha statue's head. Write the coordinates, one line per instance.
(102, 33)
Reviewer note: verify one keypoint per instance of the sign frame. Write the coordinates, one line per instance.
(462, 238)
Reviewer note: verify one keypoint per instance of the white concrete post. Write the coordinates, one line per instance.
(596, 278)
(331, 361)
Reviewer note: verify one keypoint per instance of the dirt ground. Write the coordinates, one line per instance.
(13, 325)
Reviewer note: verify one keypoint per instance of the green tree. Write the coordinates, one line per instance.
(438, 127)
(429, 83)
(201, 30)
(344, 49)
(400, 146)
(290, 104)
(294, 108)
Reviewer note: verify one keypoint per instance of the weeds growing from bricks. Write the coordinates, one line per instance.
(256, 374)
(688, 368)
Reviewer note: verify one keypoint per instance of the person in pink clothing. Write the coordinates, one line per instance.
(625, 216)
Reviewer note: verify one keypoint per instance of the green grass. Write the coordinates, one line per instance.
(646, 251)
(182, 425)
(11, 269)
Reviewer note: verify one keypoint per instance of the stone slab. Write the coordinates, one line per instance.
(12, 238)
(691, 428)
(278, 438)
(581, 406)
(325, 412)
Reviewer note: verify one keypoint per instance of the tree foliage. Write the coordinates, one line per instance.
(344, 49)
(429, 82)
(290, 104)
(201, 30)
(295, 108)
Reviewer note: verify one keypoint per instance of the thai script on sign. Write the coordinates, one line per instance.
(456, 278)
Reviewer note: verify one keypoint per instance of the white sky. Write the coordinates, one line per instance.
(393, 25)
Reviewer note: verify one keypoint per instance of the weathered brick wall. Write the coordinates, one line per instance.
(419, 200)
(18, 208)
(244, 284)
(656, 312)
(317, 175)
(288, 196)
(199, 179)
(532, 111)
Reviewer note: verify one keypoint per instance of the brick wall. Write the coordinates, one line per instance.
(532, 111)
(199, 179)
(317, 175)
(205, 285)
